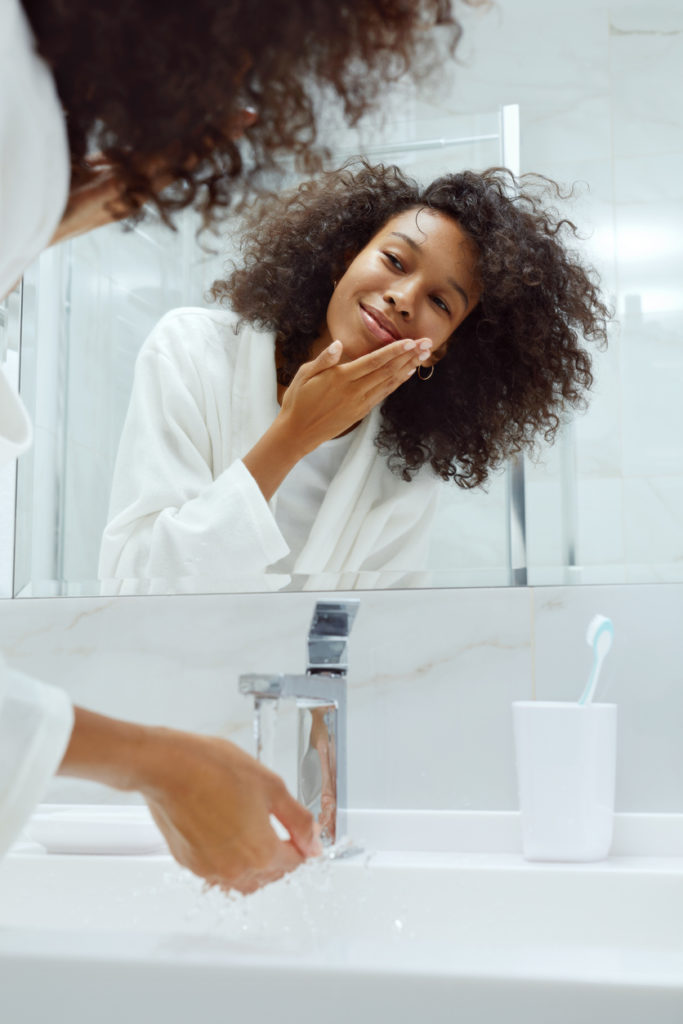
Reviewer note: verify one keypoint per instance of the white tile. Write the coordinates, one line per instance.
(600, 537)
(432, 675)
(643, 674)
(652, 374)
(653, 518)
(645, 65)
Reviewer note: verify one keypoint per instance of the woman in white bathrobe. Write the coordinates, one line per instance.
(241, 462)
(92, 127)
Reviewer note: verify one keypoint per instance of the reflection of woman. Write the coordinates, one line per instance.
(95, 123)
(240, 446)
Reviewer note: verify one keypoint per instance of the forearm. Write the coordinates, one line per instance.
(110, 751)
(274, 455)
(211, 800)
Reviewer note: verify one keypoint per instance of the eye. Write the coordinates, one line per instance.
(394, 260)
(440, 303)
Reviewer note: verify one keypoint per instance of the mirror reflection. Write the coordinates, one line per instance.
(417, 335)
(111, 284)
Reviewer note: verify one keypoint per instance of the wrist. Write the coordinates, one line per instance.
(290, 440)
(275, 454)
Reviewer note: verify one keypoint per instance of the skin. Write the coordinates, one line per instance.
(419, 273)
(210, 799)
(418, 277)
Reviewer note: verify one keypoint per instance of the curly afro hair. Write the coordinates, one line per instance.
(512, 367)
(156, 88)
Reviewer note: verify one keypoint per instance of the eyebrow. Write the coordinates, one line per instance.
(452, 282)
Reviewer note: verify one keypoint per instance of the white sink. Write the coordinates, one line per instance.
(426, 937)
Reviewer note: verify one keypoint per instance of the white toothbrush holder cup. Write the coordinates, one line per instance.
(566, 766)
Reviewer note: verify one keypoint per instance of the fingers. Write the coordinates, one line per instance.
(330, 356)
(380, 381)
(285, 859)
(408, 352)
(299, 822)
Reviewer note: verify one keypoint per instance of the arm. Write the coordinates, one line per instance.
(210, 799)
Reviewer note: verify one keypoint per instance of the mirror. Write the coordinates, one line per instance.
(88, 307)
(603, 505)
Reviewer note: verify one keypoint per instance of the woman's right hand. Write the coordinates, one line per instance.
(327, 397)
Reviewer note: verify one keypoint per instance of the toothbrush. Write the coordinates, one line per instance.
(599, 636)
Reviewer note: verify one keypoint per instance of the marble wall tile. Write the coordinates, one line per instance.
(643, 674)
(600, 532)
(646, 56)
(432, 676)
(653, 530)
(652, 373)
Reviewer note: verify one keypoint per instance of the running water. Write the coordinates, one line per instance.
(265, 722)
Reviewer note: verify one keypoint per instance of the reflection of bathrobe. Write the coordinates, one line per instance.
(184, 506)
(35, 719)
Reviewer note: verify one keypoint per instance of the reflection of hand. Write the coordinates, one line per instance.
(326, 397)
(327, 755)
(211, 800)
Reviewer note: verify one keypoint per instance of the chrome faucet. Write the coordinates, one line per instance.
(320, 697)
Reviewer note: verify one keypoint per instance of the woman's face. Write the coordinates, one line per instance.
(417, 278)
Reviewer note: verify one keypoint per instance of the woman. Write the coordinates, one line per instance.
(104, 108)
(244, 450)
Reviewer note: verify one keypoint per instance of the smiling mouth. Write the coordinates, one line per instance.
(379, 325)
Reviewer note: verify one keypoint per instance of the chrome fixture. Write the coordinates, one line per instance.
(320, 697)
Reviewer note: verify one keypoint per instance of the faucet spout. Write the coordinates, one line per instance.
(320, 697)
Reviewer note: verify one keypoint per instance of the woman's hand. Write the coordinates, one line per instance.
(325, 399)
(211, 800)
(213, 804)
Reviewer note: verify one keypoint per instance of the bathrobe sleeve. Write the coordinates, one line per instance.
(178, 512)
(35, 719)
(35, 725)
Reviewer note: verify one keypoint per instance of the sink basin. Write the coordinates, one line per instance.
(427, 936)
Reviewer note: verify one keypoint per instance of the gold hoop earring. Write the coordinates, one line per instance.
(429, 375)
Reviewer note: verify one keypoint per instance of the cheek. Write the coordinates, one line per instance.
(334, 307)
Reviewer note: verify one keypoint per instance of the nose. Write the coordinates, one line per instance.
(402, 297)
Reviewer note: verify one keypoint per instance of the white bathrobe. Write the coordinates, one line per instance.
(184, 507)
(35, 719)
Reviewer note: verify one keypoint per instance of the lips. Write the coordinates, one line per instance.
(379, 324)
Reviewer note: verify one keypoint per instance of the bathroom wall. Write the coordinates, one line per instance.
(432, 677)
(599, 85)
